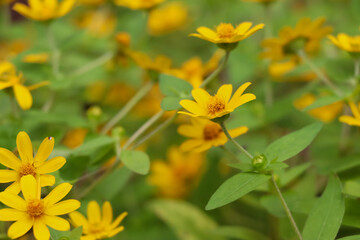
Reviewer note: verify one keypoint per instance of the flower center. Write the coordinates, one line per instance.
(27, 169)
(215, 105)
(35, 208)
(225, 30)
(211, 131)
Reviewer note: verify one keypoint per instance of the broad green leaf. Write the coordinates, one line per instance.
(170, 103)
(277, 166)
(234, 188)
(354, 237)
(293, 143)
(326, 215)
(323, 102)
(75, 234)
(243, 233)
(173, 86)
(187, 221)
(136, 161)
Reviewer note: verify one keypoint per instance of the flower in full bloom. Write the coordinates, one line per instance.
(42, 10)
(305, 36)
(138, 4)
(355, 120)
(34, 212)
(29, 165)
(210, 107)
(205, 134)
(98, 226)
(176, 177)
(346, 42)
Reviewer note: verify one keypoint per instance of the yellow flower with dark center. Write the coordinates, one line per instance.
(36, 58)
(205, 134)
(167, 18)
(305, 36)
(98, 226)
(355, 120)
(346, 42)
(29, 165)
(210, 107)
(34, 212)
(179, 175)
(138, 4)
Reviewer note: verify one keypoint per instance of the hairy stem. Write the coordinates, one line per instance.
(217, 71)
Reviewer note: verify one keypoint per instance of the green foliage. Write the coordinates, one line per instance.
(74, 234)
(235, 232)
(327, 100)
(136, 161)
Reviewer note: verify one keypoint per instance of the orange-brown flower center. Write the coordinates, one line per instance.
(215, 105)
(35, 208)
(211, 131)
(27, 169)
(225, 30)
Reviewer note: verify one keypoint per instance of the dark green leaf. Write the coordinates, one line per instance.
(136, 161)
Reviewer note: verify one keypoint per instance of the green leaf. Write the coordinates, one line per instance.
(352, 188)
(75, 234)
(354, 237)
(235, 232)
(293, 143)
(170, 103)
(291, 174)
(89, 146)
(245, 167)
(74, 167)
(324, 101)
(136, 161)
(173, 86)
(326, 215)
(234, 188)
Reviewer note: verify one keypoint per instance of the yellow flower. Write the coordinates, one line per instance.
(11, 49)
(29, 165)
(210, 107)
(353, 121)
(325, 113)
(160, 64)
(36, 58)
(138, 4)
(286, 71)
(179, 175)
(167, 18)
(8, 78)
(43, 10)
(227, 33)
(97, 226)
(205, 134)
(305, 36)
(34, 212)
(97, 22)
(346, 42)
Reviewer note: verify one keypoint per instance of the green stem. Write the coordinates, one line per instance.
(357, 69)
(55, 53)
(217, 71)
(286, 208)
(127, 108)
(94, 64)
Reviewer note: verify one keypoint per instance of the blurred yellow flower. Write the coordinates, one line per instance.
(98, 226)
(123, 38)
(97, 22)
(161, 63)
(286, 71)
(34, 212)
(138, 4)
(325, 113)
(29, 165)
(210, 107)
(346, 42)
(43, 10)
(179, 175)
(355, 120)
(92, 2)
(167, 18)
(11, 49)
(75, 137)
(36, 58)
(305, 36)
(205, 134)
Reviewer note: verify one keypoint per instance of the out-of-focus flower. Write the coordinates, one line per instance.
(8, 78)
(29, 165)
(167, 18)
(150, 104)
(98, 226)
(118, 94)
(74, 138)
(355, 120)
(36, 58)
(210, 107)
(97, 22)
(346, 42)
(11, 49)
(179, 175)
(123, 38)
(286, 71)
(138, 4)
(325, 113)
(160, 64)
(205, 134)
(42, 10)
(305, 36)
(92, 2)
(34, 212)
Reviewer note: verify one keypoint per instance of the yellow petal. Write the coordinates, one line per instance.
(118, 220)
(38, 85)
(19, 228)
(13, 201)
(239, 92)
(191, 144)
(8, 176)
(242, 28)
(115, 231)
(24, 147)
(93, 212)
(28, 187)
(56, 223)
(8, 159)
(241, 100)
(23, 10)
(225, 92)
(192, 107)
(350, 120)
(41, 231)
(23, 96)
(4, 85)
(63, 207)
(10, 214)
(107, 213)
(57, 194)
(65, 7)
(254, 30)
(78, 219)
(14, 188)
(47, 180)
(238, 131)
(44, 151)
(190, 131)
(36, 5)
(354, 110)
(201, 96)
(186, 113)
(203, 147)
(51, 165)
(207, 32)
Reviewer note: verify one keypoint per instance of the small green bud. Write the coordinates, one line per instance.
(94, 112)
(259, 161)
(118, 133)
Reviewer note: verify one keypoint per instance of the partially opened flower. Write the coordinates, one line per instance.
(98, 226)
(346, 42)
(210, 107)
(138, 4)
(29, 165)
(43, 10)
(205, 134)
(34, 212)
(355, 120)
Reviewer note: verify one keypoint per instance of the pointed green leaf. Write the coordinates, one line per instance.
(136, 161)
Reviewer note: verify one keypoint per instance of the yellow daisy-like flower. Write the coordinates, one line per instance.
(305, 36)
(98, 226)
(346, 42)
(210, 107)
(43, 10)
(29, 165)
(138, 4)
(355, 120)
(34, 212)
(205, 134)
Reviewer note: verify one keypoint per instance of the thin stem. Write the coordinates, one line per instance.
(230, 153)
(268, 84)
(14, 108)
(91, 65)
(222, 124)
(319, 73)
(48, 104)
(357, 68)
(217, 71)
(286, 208)
(55, 53)
(127, 108)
